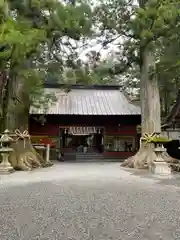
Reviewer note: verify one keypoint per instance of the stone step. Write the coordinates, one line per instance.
(89, 156)
(83, 156)
(92, 158)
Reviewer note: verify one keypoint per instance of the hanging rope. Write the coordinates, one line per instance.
(22, 135)
(148, 138)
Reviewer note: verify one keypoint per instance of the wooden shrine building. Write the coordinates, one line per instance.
(171, 126)
(88, 120)
(171, 129)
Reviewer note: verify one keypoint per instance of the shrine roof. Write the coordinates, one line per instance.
(88, 100)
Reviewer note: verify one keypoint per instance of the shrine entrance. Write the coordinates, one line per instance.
(82, 139)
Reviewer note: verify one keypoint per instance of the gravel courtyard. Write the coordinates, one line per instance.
(88, 201)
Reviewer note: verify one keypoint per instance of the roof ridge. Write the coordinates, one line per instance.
(82, 86)
(109, 102)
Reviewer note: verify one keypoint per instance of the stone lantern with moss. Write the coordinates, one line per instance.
(160, 166)
(5, 150)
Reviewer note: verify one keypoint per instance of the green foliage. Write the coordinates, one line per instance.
(35, 42)
(39, 40)
(19, 39)
(71, 21)
(131, 27)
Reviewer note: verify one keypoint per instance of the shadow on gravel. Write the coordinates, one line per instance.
(173, 180)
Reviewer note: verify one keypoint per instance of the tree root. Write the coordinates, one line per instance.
(145, 157)
(24, 161)
(43, 163)
(25, 157)
(174, 163)
(47, 164)
(169, 159)
(175, 167)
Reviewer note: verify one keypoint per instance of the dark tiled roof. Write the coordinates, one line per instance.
(89, 102)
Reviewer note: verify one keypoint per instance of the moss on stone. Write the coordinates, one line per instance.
(160, 140)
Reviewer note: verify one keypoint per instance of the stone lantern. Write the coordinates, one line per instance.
(160, 166)
(5, 150)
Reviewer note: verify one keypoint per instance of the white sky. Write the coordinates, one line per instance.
(98, 47)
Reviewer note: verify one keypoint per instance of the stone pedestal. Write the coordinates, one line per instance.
(5, 166)
(48, 153)
(5, 150)
(44, 151)
(160, 167)
(40, 149)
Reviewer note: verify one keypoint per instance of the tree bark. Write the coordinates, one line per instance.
(149, 94)
(150, 106)
(150, 110)
(24, 157)
(150, 113)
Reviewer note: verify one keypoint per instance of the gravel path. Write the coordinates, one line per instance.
(88, 201)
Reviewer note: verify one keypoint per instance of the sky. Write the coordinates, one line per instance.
(98, 47)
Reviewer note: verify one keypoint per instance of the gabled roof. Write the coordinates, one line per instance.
(89, 101)
(174, 111)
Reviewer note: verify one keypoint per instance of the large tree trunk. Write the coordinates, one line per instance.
(24, 157)
(149, 94)
(150, 112)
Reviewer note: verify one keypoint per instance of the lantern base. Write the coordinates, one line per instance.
(6, 169)
(161, 168)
